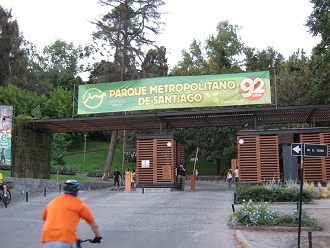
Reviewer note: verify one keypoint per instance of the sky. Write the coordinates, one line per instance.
(278, 24)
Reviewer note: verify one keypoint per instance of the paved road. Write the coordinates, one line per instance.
(191, 218)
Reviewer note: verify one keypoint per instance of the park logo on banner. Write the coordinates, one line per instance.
(248, 88)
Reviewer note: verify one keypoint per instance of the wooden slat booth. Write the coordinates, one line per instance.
(316, 169)
(266, 155)
(157, 157)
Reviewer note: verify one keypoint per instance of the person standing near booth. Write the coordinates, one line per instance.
(236, 176)
(116, 178)
(181, 175)
(230, 177)
(133, 174)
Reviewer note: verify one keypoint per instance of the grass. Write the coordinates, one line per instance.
(5, 173)
(96, 155)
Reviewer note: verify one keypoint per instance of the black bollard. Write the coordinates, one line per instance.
(5, 202)
(310, 243)
(44, 192)
(27, 196)
(142, 189)
(235, 198)
(59, 188)
(233, 207)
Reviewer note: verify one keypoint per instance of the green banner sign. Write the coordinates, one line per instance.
(176, 92)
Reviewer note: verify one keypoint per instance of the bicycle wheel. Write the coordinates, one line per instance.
(6, 200)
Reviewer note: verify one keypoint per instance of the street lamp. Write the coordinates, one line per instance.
(85, 135)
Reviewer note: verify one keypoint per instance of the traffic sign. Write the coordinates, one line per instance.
(296, 149)
(316, 150)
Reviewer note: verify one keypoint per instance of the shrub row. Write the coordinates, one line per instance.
(5, 167)
(63, 170)
(259, 193)
(95, 173)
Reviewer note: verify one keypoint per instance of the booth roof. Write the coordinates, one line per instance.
(312, 114)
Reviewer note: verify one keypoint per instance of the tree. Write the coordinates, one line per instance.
(266, 60)
(11, 57)
(295, 80)
(222, 50)
(216, 144)
(60, 144)
(104, 71)
(59, 103)
(63, 57)
(192, 63)
(319, 23)
(22, 100)
(125, 30)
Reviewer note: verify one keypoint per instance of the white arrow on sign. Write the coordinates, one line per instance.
(297, 149)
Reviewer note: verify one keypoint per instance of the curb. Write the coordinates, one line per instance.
(242, 240)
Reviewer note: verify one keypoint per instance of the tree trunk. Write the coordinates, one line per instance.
(111, 153)
(218, 167)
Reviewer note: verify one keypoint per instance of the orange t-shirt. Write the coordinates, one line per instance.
(61, 218)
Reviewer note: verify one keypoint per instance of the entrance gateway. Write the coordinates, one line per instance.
(243, 89)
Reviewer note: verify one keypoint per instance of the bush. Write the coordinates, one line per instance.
(95, 173)
(5, 167)
(63, 170)
(259, 215)
(264, 193)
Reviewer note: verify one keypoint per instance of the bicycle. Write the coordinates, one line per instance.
(79, 241)
(6, 200)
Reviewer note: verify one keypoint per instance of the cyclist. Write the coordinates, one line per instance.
(61, 217)
(3, 186)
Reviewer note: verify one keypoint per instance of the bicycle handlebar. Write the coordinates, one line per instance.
(79, 241)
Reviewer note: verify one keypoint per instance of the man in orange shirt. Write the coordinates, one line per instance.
(62, 216)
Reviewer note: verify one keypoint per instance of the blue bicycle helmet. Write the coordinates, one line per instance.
(71, 187)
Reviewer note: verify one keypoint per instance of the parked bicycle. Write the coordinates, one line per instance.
(6, 200)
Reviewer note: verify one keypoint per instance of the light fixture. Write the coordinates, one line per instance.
(169, 144)
(241, 141)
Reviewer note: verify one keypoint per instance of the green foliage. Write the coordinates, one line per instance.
(22, 100)
(155, 63)
(5, 167)
(63, 57)
(60, 103)
(62, 170)
(260, 215)
(279, 193)
(293, 220)
(216, 144)
(223, 48)
(120, 30)
(60, 144)
(256, 215)
(95, 173)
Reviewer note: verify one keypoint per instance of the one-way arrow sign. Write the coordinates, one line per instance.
(296, 149)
